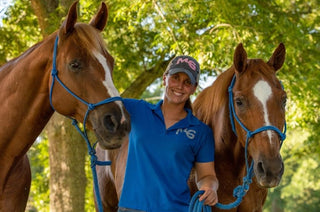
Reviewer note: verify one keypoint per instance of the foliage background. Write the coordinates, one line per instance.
(143, 35)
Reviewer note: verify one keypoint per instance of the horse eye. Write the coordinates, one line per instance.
(284, 102)
(238, 102)
(75, 65)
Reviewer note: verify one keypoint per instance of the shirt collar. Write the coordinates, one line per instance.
(191, 119)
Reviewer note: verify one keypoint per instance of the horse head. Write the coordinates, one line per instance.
(85, 67)
(259, 104)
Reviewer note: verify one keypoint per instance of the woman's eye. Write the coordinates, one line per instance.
(187, 82)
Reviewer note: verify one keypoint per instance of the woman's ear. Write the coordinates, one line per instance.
(194, 88)
(164, 80)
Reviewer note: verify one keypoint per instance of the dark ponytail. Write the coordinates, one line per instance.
(188, 105)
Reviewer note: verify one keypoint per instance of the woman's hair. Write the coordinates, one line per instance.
(188, 105)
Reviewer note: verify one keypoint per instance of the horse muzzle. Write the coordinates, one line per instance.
(268, 172)
(111, 126)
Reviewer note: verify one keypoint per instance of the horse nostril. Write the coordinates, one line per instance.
(110, 123)
(260, 167)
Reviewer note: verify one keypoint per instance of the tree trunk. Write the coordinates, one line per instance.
(276, 201)
(67, 151)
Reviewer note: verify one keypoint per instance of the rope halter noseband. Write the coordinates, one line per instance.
(240, 191)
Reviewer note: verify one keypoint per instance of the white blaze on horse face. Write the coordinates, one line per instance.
(108, 83)
(263, 92)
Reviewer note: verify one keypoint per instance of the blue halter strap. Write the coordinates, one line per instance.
(91, 149)
(240, 191)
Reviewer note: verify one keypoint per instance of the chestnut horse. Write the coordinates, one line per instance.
(84, 66)
(255, 104)
(259, 103)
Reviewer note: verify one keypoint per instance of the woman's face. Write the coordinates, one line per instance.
(178, 87)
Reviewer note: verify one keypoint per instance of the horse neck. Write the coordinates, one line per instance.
(24, 99)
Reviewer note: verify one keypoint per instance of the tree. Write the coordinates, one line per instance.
(144, 35)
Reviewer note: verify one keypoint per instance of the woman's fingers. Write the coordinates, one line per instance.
(210, 197)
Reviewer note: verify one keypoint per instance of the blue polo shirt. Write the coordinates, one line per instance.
(160, 160)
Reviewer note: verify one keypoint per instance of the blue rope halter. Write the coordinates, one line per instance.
(91, 149)
(240, 191)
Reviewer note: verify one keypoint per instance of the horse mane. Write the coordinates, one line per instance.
(213, 98)
(24, 54)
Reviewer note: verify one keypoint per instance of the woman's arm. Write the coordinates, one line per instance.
(207, 181)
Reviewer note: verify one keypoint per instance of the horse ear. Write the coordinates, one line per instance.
(68, 24)
(278, 57)
(99, 21)
(240, 58)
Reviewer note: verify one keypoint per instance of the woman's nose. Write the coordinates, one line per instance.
(180, 84)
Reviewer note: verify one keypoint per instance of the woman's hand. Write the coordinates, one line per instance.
(209, 196)
(207, 182)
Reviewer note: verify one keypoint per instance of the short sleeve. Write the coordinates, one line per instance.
(206, 150)
(133, 105)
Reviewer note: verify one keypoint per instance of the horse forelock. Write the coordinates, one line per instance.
(91, 39)
(257, 67)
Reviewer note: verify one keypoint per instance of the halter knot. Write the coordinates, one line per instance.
(74, 122)
(250, 134)
(92, 152)
(54, 72)
(282, 136)
(239, 192)
(246, 184)
(91, 106)
(247, 181)
(93, 160)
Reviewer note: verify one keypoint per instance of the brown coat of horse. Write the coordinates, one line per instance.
(85, 67)
(259, 100)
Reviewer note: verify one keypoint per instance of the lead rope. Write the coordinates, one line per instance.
(240, 191)
(91, 149)
(196, 205)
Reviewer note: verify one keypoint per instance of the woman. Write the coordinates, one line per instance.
(165, 142)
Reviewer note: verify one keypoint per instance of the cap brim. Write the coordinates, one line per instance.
(187, 72)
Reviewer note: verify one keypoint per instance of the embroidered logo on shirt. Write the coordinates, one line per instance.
(189, 133)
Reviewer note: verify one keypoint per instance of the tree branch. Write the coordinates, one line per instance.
(147, 77)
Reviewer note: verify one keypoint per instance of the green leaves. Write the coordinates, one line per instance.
(144, 34)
